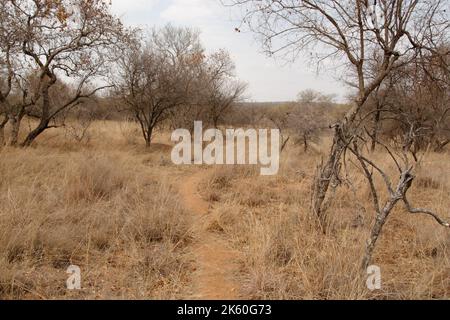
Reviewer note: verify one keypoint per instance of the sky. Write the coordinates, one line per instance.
(269, 79)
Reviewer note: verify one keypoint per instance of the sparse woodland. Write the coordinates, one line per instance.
(87, 107)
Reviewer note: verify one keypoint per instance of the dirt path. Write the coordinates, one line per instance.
(216, 263)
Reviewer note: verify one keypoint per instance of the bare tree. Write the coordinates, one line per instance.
(308, 122)
(156, 76)
(420, 96)
(280, 118)
(353, 32)
(297, 122)
(410, 110)
(310, 96)
(78, 121)
(59, 40)
(9, 45)
(396, 192)
(223, 89)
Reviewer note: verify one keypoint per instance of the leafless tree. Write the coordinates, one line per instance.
(156, 76)
(280, 118)
(410, 111)
(59, 40)
(419, 96)
(309, 96)
(299, 122)
(9, 46)
(400, 155)
(223, 89)
(418, 93)
(309, 121)
(391, 31)
(78, 121)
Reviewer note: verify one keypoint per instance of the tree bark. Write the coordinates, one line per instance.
(31, 137)
(323, 181)
(45, 116)
(15, 121)
(376, 231)
(148, 137)
(2, 131)
(376, 129)
(327, 171)
(404, 185)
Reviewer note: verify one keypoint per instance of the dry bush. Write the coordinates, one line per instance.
(93, 179)
(103, 211)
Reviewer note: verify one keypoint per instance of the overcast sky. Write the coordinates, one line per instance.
(269, 79)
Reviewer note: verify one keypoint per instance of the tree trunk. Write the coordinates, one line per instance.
(322, 183)
(148, 137)
(327, 171)
(15, 129)
(404, 185)
(376, 129)
(376, 231)
(2, 131)
(45, 117)
(43, 125)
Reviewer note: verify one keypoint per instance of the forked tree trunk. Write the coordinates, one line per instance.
(45, 117)
(328, 170)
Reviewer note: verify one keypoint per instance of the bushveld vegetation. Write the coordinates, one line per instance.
(87, 106)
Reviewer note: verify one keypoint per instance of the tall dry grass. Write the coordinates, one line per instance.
(286, 257)
(110, 206)
(104, 207)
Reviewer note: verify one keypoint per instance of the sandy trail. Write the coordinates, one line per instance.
(216, 263)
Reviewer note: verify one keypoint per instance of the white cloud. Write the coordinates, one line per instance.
(136, 12)
(189, 10)
(130, 6)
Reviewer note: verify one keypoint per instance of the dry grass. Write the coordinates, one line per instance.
(285, 257)
(111, 207)
(103, 207)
